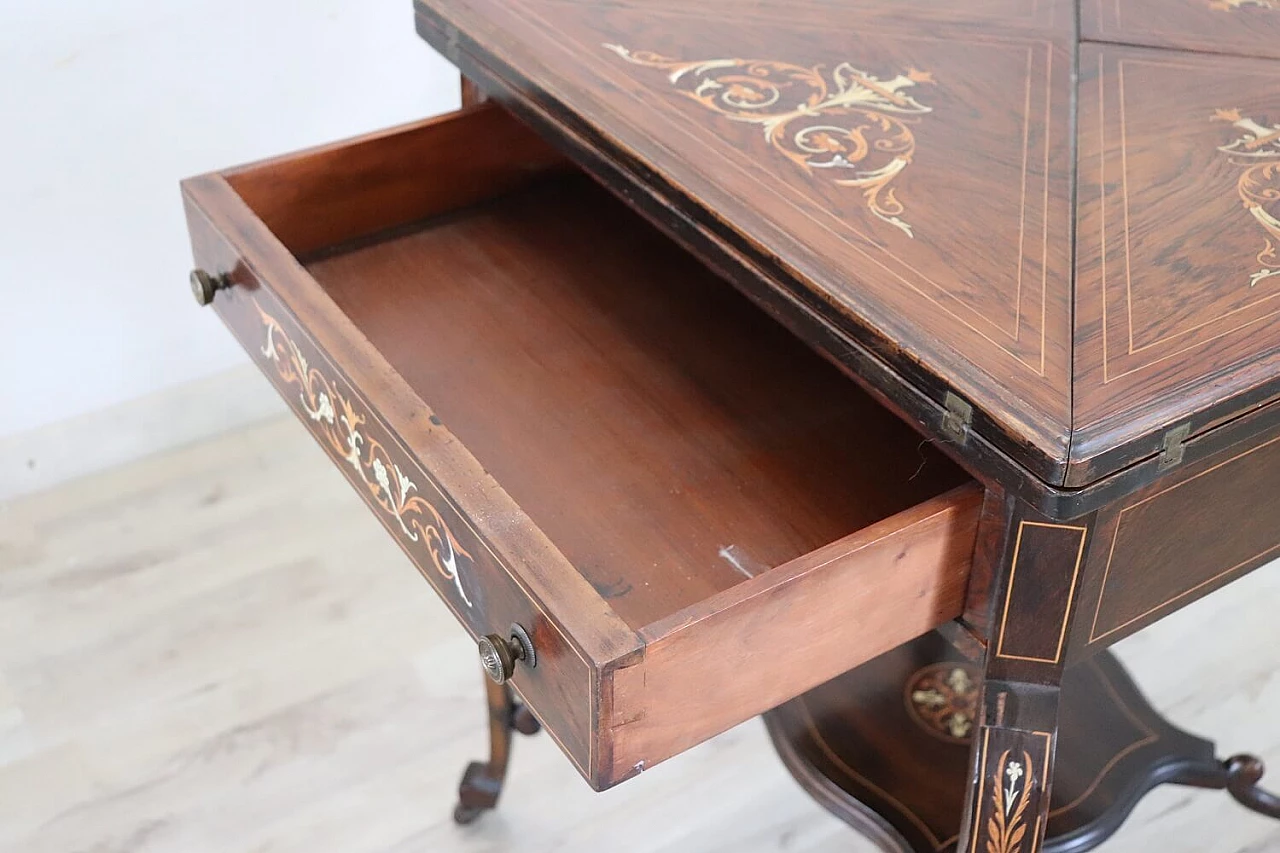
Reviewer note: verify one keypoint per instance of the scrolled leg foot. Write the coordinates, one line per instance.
(1244, 773)
(481, 784)
(478, 792)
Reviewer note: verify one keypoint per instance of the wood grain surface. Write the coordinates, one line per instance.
(705, 666)
(1178, 291)
(1179, 540)
(1235, 27)
(912, 181)
(667, 436)
(356, 188)
(917, 295)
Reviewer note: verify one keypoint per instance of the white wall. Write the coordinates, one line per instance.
(104, 106)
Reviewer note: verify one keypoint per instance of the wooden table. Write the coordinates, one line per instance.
(1041, 238)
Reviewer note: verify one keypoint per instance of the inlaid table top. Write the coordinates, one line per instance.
(1063, 217)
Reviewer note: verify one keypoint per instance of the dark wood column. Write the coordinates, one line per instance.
(1037, 572)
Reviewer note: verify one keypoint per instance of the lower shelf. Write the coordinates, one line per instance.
(886, 748)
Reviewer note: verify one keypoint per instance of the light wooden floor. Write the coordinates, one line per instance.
(219, 649)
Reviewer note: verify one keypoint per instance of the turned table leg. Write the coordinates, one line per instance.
(482, 782)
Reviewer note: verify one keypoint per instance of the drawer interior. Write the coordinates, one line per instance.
(694, 516)
(668, 437)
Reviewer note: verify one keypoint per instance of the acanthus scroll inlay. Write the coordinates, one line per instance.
(341, 428)
(1258, 150)
(849, 125)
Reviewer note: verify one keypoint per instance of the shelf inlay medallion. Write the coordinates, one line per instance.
(847, 125)
(341, 427)
(943, 699)
(1258, 149)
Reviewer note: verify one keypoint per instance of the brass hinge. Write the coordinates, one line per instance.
(1175, 446)
(958, 418)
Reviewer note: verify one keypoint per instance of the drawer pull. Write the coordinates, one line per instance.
(498, 656)
(204, 286)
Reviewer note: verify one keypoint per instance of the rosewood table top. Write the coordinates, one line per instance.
(1052, 229)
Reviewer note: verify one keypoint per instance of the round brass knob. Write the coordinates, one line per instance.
(204, 286)
(498, 654)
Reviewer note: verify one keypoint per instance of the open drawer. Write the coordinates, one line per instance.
(570, 425)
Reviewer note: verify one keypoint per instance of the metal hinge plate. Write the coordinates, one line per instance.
(958, 418)
(1175, 445)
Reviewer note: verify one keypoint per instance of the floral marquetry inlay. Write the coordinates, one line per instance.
(1011, 790)
(943, 699)
(848, 125)
(341, 426)
(1258, 150)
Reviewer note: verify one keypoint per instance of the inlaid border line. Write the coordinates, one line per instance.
(1071, 594)
(1029, 43)
(1140, 724)
(1093, 631)
(835, 759)
(1107, 377)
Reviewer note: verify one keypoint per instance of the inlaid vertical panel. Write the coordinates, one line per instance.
(1037, 605)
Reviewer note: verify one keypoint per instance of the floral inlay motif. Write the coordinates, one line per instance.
(342, 429)
(848, 125)
(1258, 150)
(1011, 790)
(943, 698)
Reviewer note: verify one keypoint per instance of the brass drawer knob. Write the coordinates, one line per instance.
(204, 285)
(498, 655)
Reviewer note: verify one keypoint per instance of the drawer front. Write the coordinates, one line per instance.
(786, 631)
(412, 505)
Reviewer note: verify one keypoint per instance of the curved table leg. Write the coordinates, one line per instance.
(1241, 777)
(1244, 772)
(481, 784)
